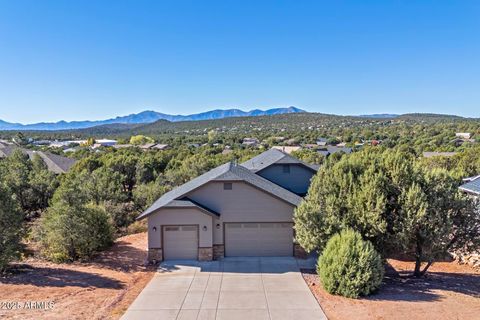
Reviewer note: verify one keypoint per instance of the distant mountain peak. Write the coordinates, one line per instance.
(147, 116)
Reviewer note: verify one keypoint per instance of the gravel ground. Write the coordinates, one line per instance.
(450, 291)
(101, 289)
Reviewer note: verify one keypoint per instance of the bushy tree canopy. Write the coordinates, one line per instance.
(10, 228)
(392, 200)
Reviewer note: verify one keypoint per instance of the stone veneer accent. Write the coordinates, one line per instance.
(155, 254)
(299, 252)
(218, 251)
(205, 254)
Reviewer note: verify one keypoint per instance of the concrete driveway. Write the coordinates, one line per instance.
(235, 288)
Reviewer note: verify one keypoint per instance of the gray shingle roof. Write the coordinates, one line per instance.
(55, 163)
(225, 172)
(273, 156)
(187, 203)
(473, 186)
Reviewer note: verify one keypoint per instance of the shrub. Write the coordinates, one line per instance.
(10, 229)
(349, 266)
(137, 227)
(122, 215)
(68, 233)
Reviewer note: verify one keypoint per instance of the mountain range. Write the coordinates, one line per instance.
(145, 117)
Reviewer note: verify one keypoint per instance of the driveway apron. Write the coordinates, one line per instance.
(234, 288)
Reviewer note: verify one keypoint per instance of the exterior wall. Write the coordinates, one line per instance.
(297, 181)
(244, 203)
(178, 216)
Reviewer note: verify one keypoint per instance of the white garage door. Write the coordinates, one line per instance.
(180, 242)
(259, 239)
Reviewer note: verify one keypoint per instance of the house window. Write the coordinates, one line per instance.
(286, 168)
(227, 186)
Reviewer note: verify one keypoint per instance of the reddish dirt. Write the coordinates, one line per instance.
(449, 291)
(101, 289)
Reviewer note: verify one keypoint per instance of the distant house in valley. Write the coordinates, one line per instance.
(471, 186)
(322, 141)
(250, 142)
(328, 150)
(463, 135)
(428, 154)
(160, 146)
(232, 210)
(106, 142)
(55, 163)
(123, 146)
(154, 146)
(287, 149)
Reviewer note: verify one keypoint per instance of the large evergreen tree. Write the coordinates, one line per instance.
(393, 201)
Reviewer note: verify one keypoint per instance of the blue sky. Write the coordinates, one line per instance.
(76, 60)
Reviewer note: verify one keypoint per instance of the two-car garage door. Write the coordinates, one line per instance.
(259, 239)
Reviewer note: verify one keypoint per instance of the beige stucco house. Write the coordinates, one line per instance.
(232, 210)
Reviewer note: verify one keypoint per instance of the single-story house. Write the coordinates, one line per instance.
(287, 149)
(55, 163)
(250, 142)
(322, 141)
(471, 186)
(328, 150)
(106, 142)
(232, 210)
(463, 135)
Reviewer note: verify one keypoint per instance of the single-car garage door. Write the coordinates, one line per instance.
(258, 239)
(180, 242)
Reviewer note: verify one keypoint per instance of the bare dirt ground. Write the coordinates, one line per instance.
(450, 291)
(101, 289)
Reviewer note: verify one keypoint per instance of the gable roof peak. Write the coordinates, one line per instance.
(273, 156)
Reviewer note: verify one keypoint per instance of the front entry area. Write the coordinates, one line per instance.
(180, 242)
(258, 239)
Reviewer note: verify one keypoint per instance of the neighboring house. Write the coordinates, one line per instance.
(438, 154)
(334, 149)
(250, 142)
(55, 163)
(471, 186)
(232, 210)
(147, 146)
(287, 149)
(106, 142)
(322, 141)
(463, 135)
(124, 146)
(160, 146)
